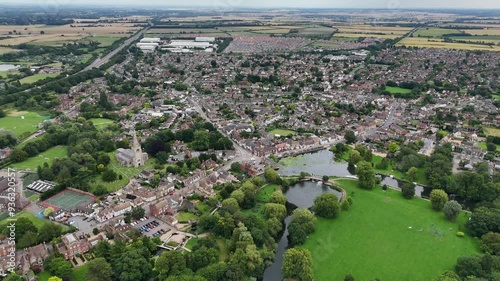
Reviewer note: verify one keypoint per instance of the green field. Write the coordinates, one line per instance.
(488, 130)
(191, 243)
(397, 90)
(101, 123)
(37, 77)
(185, 217)
(482, 145)
(104, 41)
(20, 122)
(78, 274)
(376, 234)
(38, 222)
(434, 32)
(265, 192)
(47, 156)
(125, 172)
(282, 132)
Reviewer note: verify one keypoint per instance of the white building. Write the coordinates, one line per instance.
(150, 40)
(204, 39)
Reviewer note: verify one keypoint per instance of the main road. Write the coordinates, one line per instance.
(100, 61)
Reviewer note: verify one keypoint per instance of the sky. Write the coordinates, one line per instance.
(234, 4)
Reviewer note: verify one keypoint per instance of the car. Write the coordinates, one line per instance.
(146, 217)
(85, 218)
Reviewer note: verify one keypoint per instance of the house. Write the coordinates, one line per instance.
(161, 208)
(72, 245)
(115, 211)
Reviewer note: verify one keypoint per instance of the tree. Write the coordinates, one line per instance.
(482, 221)
(230, 206)
(452, 209)
(297, 264)
(236, 167)
(138, 213)
(325, 178)
(277, 197)
(438, 199)
(132, 266)
(48, 211)
(448, 276)
(239, 196)
(201, 140)
(366, 175)
(491, 147)
(272, 176)
(60, 267)
(349, 277)
(469, 266)
(490, 243)
(109, 175)
(170, 263)
(350, 137)
(273, 210)
(301, 224)
(412, 174)
(354, 157)
(274, 226)
(326, 205)
(99, 270)
(18, 155)
(95, 231)
(393, 147)
(14, 277)
(408, 190)
(49, 231)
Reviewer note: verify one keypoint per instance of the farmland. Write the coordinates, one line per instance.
(434, 32)
(356, 31)
(440, 44)
(492, 131)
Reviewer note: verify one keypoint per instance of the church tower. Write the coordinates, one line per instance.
(137, 151)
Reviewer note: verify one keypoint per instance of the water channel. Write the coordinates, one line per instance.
(303, 194)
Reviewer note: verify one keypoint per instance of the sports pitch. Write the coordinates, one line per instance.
(67, 200)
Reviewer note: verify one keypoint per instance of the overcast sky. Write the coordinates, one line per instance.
(232, 4)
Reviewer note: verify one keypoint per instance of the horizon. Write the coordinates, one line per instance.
(280, 4)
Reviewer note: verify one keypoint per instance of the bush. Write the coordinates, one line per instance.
(460, 234)
(345, 205)
(408, 190)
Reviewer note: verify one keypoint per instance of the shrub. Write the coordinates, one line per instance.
(460, 234)
(345, 205)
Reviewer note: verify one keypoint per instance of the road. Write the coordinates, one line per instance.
(388, 121)
(100, 61)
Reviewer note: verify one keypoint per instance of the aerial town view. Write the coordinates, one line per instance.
(232, 140)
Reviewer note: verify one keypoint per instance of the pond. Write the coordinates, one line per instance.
(301, 195)
(7, 67)
(323, 163)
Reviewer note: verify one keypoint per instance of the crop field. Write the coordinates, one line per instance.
(484, 38)
(358, 35)
(438, 43)
(61, 33)
(37, 77)
(416, 244)
(434, 32)
(5, 50)
(492, 131)
(183, 30)
(489, 31)
(48, 156)
(322, 30)
(367, 29)
(20, 122)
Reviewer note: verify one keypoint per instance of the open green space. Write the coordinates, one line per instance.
(434, 32)
(485, 38)
(37, 77)
(397, 90)
(104, 41)
(67, 200)
(19, 122)
(44, 276)
(48, 156)
(282, 132)
(101, 123)
(186, 216)
(38, 222)
(79, 273)
(203, 208)
(482, 145)
(125, 172)
(191, 243)
(490, 131)
(388, 237)
(265, 192)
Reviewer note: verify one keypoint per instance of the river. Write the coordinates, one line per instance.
(302, 195)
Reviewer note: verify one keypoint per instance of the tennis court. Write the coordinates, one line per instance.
(67, 200)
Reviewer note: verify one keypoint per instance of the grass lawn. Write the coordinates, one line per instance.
(47, 156)
(265, 192)
(38, 222)
(223, 251)
(19, 122)
(482, 145)
(490, 131)
(191, 243)
(37, 77)
(203, 208)
(397, 90)
(185, 217)
(373, 239)
(78, 273)
(104, 41)
(282, 132)
(44, 276)
(125, 172)
(101, 123)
